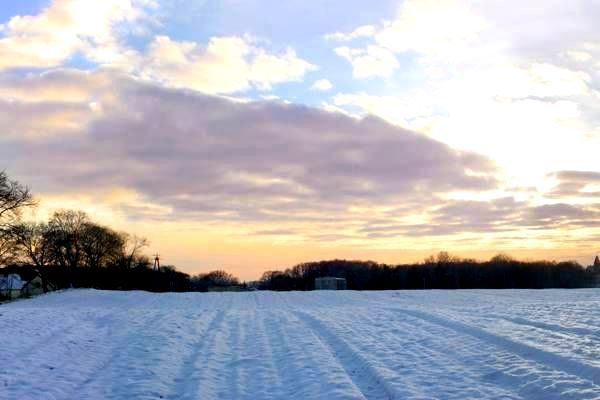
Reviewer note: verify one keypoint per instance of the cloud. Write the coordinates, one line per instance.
(94, 30)
(275, 170)
(578, 176)
(275, 232)
(436, 28)
(361, 31)
(322, 85)
(481, 81)
(397, 110)
(53, 104)
(50, 118)
(64, 28)
(576, 185)
(225, 65)
(494, 218)
(451, 31)
(56, 85)
(218, 159)
(486, 78)
(269, 69)
(368, 62)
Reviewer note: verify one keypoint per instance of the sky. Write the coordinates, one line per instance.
(253, 135)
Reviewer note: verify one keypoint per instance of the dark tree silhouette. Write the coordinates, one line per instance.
(32, 243)
(217, 278)
(8, 253)
(13, 198)
(67, 229)
(133, 247)
(100, 246)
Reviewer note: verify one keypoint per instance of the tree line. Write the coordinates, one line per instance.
(443, 271)
(71, 250)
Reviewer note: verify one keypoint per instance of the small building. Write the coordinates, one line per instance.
(10, 286)
(21, 282)
(330, 283)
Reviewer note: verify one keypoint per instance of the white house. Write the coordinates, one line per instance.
(10, 286)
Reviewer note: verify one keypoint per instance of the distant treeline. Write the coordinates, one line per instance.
(71, 250)
(440, 272)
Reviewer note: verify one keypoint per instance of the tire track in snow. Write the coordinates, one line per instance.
(415, 356)
(542, 357)
(187, 383)
(276, 379)
(305, 366)
(551, 327)
(249, 366)
(233, 357)
(277, 339)
(501, 374)
(287, 377)
(358, 369)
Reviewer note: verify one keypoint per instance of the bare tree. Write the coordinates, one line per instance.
(33, 242)
(100, 245)
(133, 247)
(13, 198)
(66, 233)
(7, 248)
(203, 282)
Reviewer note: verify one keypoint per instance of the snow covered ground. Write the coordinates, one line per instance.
(511, 344)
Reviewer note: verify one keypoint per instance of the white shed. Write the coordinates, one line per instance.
(330, 283)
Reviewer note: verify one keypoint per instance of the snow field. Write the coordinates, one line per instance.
(510, 344)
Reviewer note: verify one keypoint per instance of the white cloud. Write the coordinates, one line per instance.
(219, 67)
(269, 69)
(64, 28)
(371, 61)
(332, 108)
(322, 85)
(361, 31)
(224, 65)
(401, 111)
(91, 28)
(438, 28)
